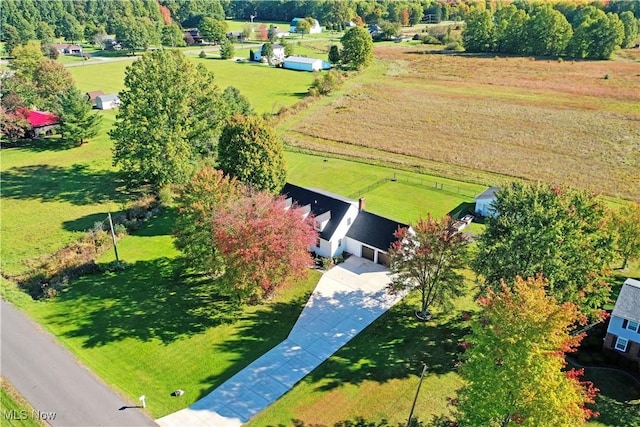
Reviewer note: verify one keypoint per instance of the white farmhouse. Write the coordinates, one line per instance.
(484, 202)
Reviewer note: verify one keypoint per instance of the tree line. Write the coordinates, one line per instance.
(546, 30)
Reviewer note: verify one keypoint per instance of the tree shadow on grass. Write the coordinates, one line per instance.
(148, 300)
(40, 145)
(395, 346)
(161, 225)
(261, 329)
(77, 184)
(618, 400)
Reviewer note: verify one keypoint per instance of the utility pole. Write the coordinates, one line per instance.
(415, 399)
(113, 237)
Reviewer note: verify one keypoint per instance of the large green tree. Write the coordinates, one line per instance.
(479, 32)
(206, 193)
(597, 34)
(630, 23)
(428, 257)
(626, 229)
(559, 233)
(548, 31)
(250, 150)
(79, 122)
(170, 114)
(136, 33)
(357, 48)
(213, 30)
(514, 366)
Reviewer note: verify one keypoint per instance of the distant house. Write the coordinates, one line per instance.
(315, 28)
(301, 63)
(235, 36)
(41, 122)
(278, 53)
(194, 33)
(91, 96)
(67, 49)
(375, 30)
(623, 332)
(343, 225)
(107, 102)
(484, 202)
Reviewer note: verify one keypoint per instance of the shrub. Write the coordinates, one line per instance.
(326, 263)
(202, 54)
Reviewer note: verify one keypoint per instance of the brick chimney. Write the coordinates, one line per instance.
(362, 204)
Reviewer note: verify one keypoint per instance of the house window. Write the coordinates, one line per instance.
(632, 326)
(339, 242)
(621, 344)
(348, 221)
(316, 225)
(317, 242)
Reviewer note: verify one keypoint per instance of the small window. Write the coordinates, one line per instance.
(316, 225)
(339, 242)
(348, 221)
(621, 344)
(317, 242)
(632, 326)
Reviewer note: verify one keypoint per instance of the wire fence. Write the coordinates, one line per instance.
(412, 180)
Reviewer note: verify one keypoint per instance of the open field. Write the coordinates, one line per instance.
(463, 116)
(267, 88)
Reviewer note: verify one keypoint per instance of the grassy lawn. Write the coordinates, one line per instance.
(412, 195)
(50, 194)
(151, 328)
(267, 88)
(619, 399)
(375, 376)
(13, 402)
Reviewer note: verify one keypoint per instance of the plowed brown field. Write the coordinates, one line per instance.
(487, 118)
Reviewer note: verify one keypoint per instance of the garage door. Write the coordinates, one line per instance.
(383, 259)
(368, 253)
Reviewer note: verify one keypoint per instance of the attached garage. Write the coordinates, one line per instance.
(371, 236)
(368, 253)
(383, 258)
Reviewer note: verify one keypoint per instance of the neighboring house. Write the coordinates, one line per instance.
(343, 225)
(278, 53)
(41, 122)
(484, 202)
(235, 36)
(91, 96)
(623, 333)
(107, 102)
(67, 49)
(195, 35)
(315, 28)
(375, 30)
(301, 63)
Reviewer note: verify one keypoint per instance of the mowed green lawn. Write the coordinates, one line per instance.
(267, 88)
(51, 194)
(154, 328)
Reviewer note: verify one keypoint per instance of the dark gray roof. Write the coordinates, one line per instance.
(374, 230)
(628, 302)
(320, 203)
(489, 193)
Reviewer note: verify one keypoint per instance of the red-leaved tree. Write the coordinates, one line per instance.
(264, 245)
(246, 239)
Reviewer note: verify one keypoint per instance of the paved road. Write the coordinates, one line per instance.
(49, 377)
(347, 299)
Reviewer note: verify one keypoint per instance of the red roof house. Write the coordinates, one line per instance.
(40, 121)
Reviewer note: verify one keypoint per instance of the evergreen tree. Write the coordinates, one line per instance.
(79, 122)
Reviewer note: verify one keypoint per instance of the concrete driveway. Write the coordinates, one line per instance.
(347, 299)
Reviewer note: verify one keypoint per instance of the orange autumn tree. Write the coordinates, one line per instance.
(514, 365)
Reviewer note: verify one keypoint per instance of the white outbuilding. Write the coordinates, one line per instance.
(484, 202)
(302, 63)
(107, 102)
